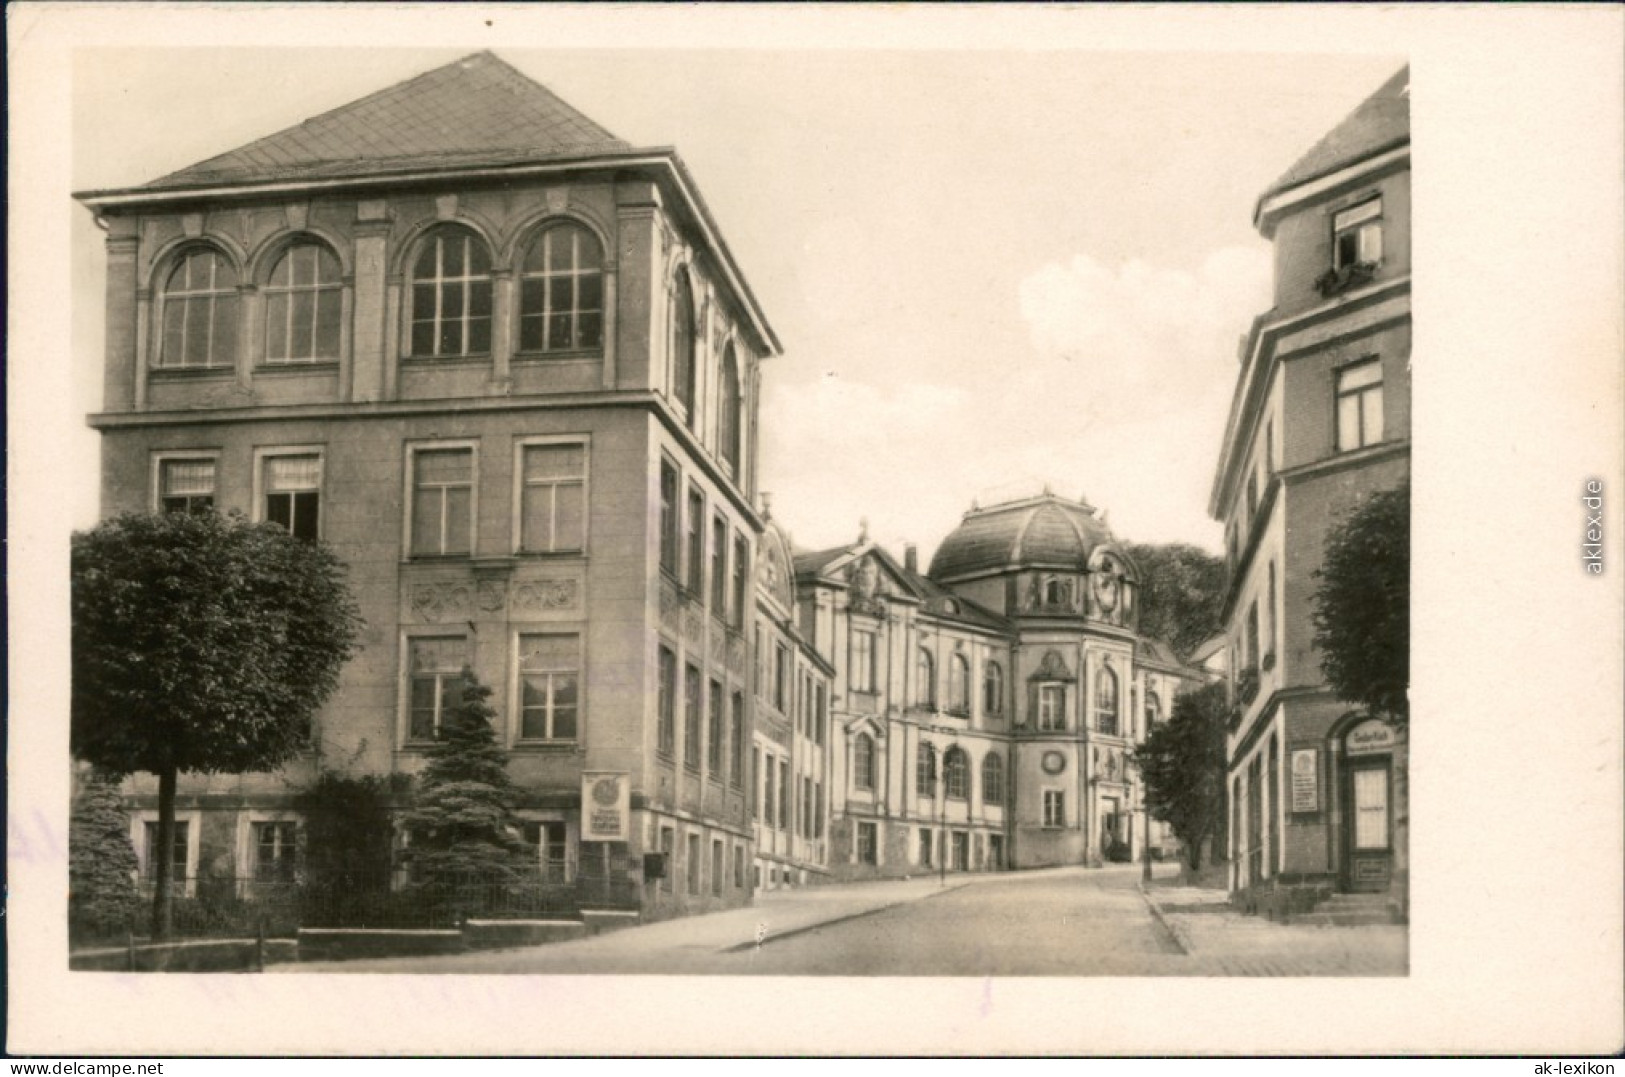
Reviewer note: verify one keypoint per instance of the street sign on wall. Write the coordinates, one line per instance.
(1305, 779)
(606, 805)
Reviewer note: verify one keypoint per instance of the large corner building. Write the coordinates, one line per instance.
(506, 366)
(1320, 420)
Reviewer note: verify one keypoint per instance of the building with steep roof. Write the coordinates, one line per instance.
(506, 367)
(1320, 419)
(985, 711)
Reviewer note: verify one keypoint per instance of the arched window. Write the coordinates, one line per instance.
(925, 771)
(956, 773)
(993, 688)
(925, 679)
(1106, 701)
(730, 421)
(959, 684)
(993, 780)
(561, 291)
(200, 313)
(1153, 712)
(303, 302)
(451, 296)
(682, 344)
(863, 762)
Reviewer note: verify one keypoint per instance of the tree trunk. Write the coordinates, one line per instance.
(162, 907)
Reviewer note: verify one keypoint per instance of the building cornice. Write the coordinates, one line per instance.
(644, 400)
(1395, 156)
(663, 161)
(1253, 383)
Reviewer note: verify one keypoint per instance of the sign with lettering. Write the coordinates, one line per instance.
(1369, 737)
(1305, 779)
(606, 806)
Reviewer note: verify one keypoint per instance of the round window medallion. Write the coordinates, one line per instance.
(1054, 762)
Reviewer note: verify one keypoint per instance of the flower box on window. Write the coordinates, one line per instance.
(1338, 280)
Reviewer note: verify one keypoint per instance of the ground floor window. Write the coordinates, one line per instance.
(275, 849)
(961, 850)
(716, 867)
(867, 841)
(925, 848)
(693, 863)
(1054, 807)
(739, 866)
(668, 846)
(552, 849)
(995, 852)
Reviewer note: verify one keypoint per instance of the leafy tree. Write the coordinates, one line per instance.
(462, 826)
(201, 643)
(102, 866)
(1183, 764)
(1181, 593)
(1362, 606)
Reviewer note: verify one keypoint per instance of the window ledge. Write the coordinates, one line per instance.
(183, 373)
(578, 355)
(548, 747)
(427, 361)
(293, 367)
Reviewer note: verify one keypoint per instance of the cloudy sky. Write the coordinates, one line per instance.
(991, 270)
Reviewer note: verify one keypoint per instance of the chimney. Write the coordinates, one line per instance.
(911, 558)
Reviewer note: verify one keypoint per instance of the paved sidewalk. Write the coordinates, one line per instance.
(1221, 941)
(673, 945)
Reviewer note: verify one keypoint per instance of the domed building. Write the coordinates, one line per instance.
(984, 712)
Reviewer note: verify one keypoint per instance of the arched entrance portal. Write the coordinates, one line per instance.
(1368, 793)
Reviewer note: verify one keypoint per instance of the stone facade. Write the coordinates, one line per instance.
(1319, 422)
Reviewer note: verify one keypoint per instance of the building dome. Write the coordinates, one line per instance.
(1040, 532)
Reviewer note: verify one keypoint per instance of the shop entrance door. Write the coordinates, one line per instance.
(1370, 825)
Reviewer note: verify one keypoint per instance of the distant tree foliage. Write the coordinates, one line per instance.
(1363, 606)
(463, 829)
(1181, 594)
(102, 866)
(1183, 764)
(201, 643)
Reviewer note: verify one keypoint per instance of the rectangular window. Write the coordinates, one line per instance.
(696, 543)
(716, 867)
(552, 847)
(668, 849)
(549, 687)
(714, 742)
(186, 485)
(1051, 707)
(1357, 234)
(822, 719)
(693, 863)
(1054, 807)
(756, 781)
(719, 567)
(668, 702)
(275, 848)
(756, 671)
(806, 807)
(442, 502)
(691, 717)
(739, 866)
(786, 797)
(781, 678)
(961, 850)
(770, 797)
(867, 843)
(818, 809)
(1252, 635)
(1269, 450)
(668, 517)
(436, 682)
(736, 742)
(293, 493)
(741, 579)
(925, 848)
(1359, 405)
(553, 498)
(177, 852)
(863, 661)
